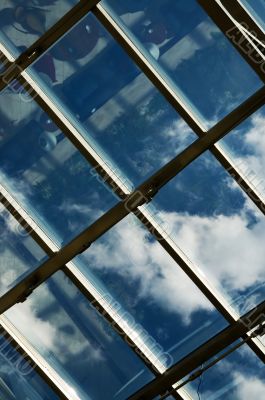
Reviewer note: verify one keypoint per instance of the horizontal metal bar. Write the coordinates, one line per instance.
(15, 67)
(208, 350)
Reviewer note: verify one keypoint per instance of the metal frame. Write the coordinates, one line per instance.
(208, 350)
(149, 188)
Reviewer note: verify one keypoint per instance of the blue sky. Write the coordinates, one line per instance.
(124, 118)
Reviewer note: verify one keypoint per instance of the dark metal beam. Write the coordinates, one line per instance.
(208, 350)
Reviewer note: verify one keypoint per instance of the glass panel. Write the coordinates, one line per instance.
(239, 376)
(219, 229)
(147, 287)
(44, 171)
(19, 254)
(18, 379)
(116, 107)
(78, 343)
(245, 146)
(190, 52)
(256, 9)
(23, 22)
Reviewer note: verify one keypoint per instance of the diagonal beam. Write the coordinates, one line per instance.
(167, 172)
(146, 354)
(141, 195)
(198, 357)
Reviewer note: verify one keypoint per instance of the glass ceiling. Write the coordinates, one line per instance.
(132, 204)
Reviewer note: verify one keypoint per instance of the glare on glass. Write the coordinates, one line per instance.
(256, 9)
(78, 343)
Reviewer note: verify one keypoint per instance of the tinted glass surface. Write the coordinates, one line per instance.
(188, 49)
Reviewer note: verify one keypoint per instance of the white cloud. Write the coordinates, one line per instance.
(230, 252)
(128, 252)
(249, 387)
(252, 164)
(58, 334)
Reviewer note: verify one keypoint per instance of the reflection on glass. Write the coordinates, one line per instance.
(219, 228)
(239, 376)
(18, 380)
(256, 9)
(190, 52)
(23, 22)
(78, 343)
(113, 104)
(19, 254)
(44, 171)
(166, 309)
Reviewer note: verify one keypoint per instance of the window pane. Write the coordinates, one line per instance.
(22, 23)
(239, 376)
(190, 51)
(19, 254)
(79, 344)
(18, 379)
(246, 148)
(115, 106)
(148, 287)
(218, 228)
(45, 173)
(256, 9)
